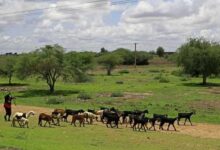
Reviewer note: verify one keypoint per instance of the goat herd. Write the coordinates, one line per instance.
(110, 116)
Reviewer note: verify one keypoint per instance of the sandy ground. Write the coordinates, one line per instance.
(200, 130)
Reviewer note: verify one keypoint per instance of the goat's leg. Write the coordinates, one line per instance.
(178, 121)
(190, 121)
(144, 127)
(174, 127)
(168, 127)
(45, 123)
(134, 126)
(185, 121)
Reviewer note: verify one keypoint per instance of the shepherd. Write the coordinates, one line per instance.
(7, 106)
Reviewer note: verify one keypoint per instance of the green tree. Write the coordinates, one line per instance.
(200, 57)
(110, 61)
(160, 51)
(103, 50)
(46, 63)
(7, 67)
(77, 65)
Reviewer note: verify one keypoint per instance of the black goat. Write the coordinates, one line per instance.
(135, 114)
(187, 116)
(111, 117)
(71, 112)
(153, 122)
(140, 120)
(170, 121)
(158, 117)
(91, 110)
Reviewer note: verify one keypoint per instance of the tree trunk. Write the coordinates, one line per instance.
(108, 71)
(204, 79)
(51, 88)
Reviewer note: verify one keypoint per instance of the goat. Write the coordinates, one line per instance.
(111, 117)
(170, 121)
(158, 117)
(90, 116)
(22, 118)
(71, 112)
(140, 120)
(153, 122)
(80, 117)
(187, 116)
(61, 112)
(134, 114)
(48, 119)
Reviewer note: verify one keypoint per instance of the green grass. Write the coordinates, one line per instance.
(179, 95)
(97, 137)
(171, 97)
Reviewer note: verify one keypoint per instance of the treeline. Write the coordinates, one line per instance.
(51, 63)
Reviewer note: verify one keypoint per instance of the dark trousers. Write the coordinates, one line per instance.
(7, 113)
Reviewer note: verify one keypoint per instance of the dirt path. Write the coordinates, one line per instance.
(201, 130)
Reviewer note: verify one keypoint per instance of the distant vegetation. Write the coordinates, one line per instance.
(51, 63)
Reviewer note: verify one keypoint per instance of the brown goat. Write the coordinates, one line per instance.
(48, 118)
(79, 117)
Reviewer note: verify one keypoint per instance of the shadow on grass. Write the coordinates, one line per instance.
(8, 148)
(202, 85)
(13, 84)
(41, 93)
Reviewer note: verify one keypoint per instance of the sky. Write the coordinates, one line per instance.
(89, 25)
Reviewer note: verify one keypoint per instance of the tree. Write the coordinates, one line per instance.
(200, 57)
(77, 65)
(103, 50)
(7, 67)
(160, 51)
(109, 61)
(46, 62)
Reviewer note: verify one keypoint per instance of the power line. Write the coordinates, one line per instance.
(64, 6)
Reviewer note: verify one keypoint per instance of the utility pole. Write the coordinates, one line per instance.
(135, 55)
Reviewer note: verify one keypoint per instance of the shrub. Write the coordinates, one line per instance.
(55, 101)
(119, 82)
(117, 94)
(123, 72)
(84, 96)
(177, 73)
(164, 80)
(185, 78)
(154, 70)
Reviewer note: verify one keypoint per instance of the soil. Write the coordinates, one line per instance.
(200, 130)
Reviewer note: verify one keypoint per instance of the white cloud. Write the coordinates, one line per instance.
(80, 25)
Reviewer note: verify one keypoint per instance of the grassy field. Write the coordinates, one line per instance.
(153, 87)
(97, 137)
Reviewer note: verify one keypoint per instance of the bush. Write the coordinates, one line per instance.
(55, 101)
(119, 82)
(117, 94)
(177, 73)
(123, 72)
(154, 70)
(185, 78)
(84, 96)
(164, 80)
